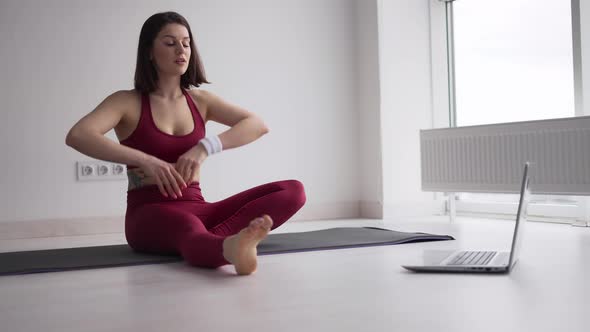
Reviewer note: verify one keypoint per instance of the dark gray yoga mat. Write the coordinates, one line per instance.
(24, 262)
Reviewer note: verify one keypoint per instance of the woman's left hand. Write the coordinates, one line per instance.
(189, 164)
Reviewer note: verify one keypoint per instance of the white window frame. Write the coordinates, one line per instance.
(577, 213)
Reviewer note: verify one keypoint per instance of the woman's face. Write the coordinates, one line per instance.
(171, 44)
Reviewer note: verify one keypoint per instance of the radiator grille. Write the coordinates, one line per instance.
(491, 158)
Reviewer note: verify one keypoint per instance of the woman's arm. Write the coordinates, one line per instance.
(245, 126)
(87, 135)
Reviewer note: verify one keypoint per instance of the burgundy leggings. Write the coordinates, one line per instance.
(194, 228)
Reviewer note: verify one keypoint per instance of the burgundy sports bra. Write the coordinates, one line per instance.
(148, 138)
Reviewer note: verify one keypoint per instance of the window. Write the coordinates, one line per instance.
(513, 61)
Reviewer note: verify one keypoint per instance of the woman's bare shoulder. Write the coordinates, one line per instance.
(126, 100)
(121, 97)
(200, 98)
(198, 95)
(130, 95)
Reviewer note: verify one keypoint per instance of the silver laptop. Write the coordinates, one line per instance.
(481, 260)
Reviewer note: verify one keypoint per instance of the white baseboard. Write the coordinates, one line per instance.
(371, 210)
(412, 209)
(328, 210)
(26, 229)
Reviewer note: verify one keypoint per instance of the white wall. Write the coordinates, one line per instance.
(334, 87)
(406, 104)
(368, 109)
(292, 62)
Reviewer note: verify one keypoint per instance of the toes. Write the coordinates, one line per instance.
(267, 221)
(256, 222)
(261, 224)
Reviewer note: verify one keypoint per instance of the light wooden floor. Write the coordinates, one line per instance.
(360, 289)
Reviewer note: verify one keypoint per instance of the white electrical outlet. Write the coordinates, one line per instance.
(118, 169)
(104, 169)
(86, 170)
(100, 171)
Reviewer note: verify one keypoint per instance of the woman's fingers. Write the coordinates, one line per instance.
(170, 181)
(191, 170)
(187, 170)
(179, 179)
(161, 186)
(175, 179)
(168, 186)
(182, 169)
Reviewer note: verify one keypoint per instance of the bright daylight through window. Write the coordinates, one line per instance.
(513, 62)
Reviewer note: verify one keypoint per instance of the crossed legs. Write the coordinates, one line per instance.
(214, 234)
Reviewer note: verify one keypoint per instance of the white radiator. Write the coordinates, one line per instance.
(490, 158)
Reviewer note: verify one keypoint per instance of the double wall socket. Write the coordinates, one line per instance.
(100, 171)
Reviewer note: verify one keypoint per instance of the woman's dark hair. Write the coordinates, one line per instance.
(146, 76)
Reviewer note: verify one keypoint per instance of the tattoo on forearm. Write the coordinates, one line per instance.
(135, 179)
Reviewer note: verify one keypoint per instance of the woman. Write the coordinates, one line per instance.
(161, 129)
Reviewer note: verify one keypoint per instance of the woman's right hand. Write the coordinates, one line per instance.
(167, 178)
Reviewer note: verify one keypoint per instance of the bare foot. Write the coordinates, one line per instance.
(240, 249)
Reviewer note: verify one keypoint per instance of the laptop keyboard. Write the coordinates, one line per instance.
(472, 258)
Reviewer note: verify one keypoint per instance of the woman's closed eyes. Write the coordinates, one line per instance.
(182, 45)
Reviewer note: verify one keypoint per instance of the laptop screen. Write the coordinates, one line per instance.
(521, 216)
